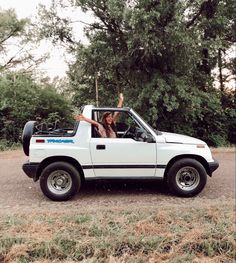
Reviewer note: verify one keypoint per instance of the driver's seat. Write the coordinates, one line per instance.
(95, 132)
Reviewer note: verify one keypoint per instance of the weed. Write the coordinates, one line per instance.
(66, 246)
(211, 247)
(127, 247)
(183, 258)
(8, 242)
(83, 251)
(8, 145)
(82, 219)
(56, 249)
(95, 231)
(23, 259)
(12, 221)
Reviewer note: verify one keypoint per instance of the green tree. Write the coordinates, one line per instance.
(16, 43)
(22, 99)
(160, 54)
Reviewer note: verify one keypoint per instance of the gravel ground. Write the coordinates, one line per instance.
(18, 192)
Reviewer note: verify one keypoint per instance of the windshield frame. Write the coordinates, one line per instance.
(156, 132)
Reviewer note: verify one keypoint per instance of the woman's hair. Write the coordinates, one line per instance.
(105, 125)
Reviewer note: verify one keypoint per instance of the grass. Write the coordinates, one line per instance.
(231, 149)
(9, 146)
(172, 234)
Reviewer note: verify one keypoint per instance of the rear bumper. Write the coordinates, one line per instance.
(31, 169)
(213, 166)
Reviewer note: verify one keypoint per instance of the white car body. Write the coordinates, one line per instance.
(100, 158)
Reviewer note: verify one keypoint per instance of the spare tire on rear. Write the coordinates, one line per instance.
(28, 131)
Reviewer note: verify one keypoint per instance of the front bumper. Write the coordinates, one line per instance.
(31, 169)
(213, 166)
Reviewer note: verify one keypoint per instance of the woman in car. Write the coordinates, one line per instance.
(107, 128)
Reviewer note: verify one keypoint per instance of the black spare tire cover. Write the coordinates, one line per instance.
(28, 131)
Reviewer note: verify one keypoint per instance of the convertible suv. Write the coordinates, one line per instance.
(61, 159)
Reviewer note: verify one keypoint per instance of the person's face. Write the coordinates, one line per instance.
(109, 119)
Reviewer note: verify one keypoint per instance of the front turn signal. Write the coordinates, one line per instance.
(200, 146)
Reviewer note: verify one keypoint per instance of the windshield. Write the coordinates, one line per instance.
(150, 127)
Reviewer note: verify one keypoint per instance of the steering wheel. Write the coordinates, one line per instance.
(127, 131)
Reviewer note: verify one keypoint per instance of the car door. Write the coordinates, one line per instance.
(124, 156)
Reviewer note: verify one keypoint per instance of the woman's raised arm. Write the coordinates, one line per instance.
(120, 104)
(81, 117)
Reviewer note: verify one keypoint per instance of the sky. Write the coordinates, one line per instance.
(56, 65)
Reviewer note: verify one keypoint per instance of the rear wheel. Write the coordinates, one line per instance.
(186, 177)
(60, 181)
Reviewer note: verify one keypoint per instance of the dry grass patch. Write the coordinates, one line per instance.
(149, 234)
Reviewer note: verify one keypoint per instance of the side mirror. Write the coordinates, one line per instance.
(148, 138)
(142, 135)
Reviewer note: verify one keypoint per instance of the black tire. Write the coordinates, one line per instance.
(60, 181)
(28, 131)
(186, 177)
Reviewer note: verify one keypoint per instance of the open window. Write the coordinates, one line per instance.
(126, 126)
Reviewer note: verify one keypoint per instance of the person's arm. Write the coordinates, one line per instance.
(83, 118)
(120, 104)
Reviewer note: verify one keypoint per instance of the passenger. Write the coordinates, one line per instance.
(106, 129)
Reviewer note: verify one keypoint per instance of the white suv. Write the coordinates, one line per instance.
(62, 158)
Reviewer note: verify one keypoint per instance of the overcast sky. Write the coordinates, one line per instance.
(24, 8)
(55, 66)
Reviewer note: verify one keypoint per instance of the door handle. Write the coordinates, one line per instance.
(101, 147)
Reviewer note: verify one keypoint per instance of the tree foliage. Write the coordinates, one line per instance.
(16, 43)
(162, 55)
(22, 99)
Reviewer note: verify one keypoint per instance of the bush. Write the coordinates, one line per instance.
(8, 145)
(22, 99)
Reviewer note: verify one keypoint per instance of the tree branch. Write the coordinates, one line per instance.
(191, 22)
(7, 37)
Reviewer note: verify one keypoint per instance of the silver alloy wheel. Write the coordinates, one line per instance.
(187, 178)
(59, 182)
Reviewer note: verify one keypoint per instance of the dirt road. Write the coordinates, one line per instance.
(20, 192)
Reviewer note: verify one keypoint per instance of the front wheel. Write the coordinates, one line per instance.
(186, 177)
(60, 181)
